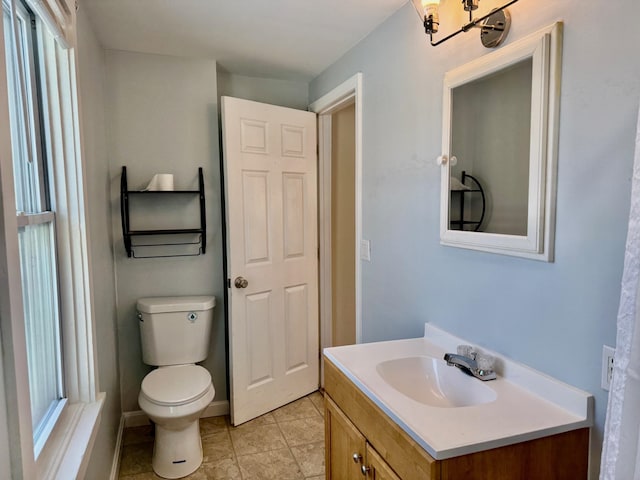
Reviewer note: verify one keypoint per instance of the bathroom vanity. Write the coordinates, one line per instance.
(382, 424)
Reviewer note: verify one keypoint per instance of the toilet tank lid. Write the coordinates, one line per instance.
(175, 304)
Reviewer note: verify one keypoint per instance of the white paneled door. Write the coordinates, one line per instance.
(270, 165)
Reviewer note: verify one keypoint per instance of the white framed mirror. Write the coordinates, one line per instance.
(499, 149)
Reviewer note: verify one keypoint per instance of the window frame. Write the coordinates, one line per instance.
(32, 102)
(67, 451)
(27, 81)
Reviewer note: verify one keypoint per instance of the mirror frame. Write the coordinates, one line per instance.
(544, 47)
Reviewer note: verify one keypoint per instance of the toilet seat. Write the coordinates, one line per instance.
(176, 385)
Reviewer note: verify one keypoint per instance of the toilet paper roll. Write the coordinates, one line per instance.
(161, 182)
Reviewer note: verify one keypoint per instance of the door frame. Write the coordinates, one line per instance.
(347, 93)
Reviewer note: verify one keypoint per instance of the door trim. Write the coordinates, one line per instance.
(341, 96)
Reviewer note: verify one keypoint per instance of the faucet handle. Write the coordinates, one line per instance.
(466, 351)
(485, 362)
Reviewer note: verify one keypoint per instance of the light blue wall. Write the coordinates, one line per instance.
(286, 93)
(173, 101)
(162, 117)
(91, 73)
(552, 316)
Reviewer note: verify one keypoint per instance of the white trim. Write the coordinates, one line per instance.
(138, 418)
(58, 18)
(216, 409)
(25, 219)
(115, 464)
(324, 232)
(339, 97)
(49, 426)
(67, 451)
(344, 94)
(64, 154)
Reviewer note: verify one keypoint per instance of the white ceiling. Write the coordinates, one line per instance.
(286, 39)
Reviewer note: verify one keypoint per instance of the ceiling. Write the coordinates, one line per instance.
(285, 39)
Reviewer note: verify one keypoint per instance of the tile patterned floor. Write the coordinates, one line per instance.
(286, 444)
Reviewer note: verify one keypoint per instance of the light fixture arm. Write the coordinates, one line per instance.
(473, 23)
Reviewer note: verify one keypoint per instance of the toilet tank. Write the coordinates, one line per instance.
(175, 330)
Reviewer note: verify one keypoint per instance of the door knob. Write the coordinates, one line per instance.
(241, 282)
(365, 470)
(357, 458)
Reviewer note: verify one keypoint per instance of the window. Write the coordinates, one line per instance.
(36, 225)
(46, 316)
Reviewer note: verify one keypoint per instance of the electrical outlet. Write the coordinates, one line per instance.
(608, 356)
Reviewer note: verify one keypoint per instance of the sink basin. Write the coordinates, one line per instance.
(432, 382)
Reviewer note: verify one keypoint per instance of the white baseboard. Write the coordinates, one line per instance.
(115, 465)
(217, 409)
(138, 418)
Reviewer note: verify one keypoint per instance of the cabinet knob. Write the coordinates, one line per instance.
(442, 160)
(357, 458)
(365, 470)
(240, 282)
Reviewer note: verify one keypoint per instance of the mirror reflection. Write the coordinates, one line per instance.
(490, 137)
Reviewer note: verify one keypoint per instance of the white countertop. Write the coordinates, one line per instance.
(529, 404)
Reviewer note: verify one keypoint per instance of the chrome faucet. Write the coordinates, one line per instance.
(470, 365)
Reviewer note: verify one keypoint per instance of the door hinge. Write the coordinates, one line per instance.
(228, 283)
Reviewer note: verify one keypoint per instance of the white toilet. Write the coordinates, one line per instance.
(175, 333)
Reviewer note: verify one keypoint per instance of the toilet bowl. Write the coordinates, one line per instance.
(174, 398)
(175, 334)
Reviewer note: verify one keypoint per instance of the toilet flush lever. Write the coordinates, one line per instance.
(241, 282)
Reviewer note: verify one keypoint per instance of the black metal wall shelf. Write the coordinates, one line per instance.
(127, 233)
(461, 222)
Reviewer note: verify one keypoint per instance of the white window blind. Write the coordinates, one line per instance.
(38, 269)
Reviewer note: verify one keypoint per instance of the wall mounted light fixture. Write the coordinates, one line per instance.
(494, 26)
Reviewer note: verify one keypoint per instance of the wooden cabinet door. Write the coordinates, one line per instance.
(343, 443)
(378, 468)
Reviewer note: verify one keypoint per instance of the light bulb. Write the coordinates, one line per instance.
(430, 9)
